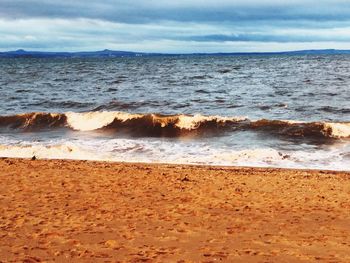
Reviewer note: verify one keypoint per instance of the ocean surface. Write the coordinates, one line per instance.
(278, 111)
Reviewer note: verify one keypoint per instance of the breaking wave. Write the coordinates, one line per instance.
(33, 121)
(156, 125)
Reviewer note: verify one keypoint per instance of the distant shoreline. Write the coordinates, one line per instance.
(112, 53)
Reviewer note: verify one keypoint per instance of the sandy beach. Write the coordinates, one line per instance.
(80, 211)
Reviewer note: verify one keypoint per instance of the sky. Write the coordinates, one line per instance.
(178, 26)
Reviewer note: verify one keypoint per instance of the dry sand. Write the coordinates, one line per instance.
(78, 211)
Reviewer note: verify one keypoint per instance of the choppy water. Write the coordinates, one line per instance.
(284, 111)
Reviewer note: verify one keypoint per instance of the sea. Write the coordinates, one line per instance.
(286, 111)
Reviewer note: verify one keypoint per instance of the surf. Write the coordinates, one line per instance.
(158, 125)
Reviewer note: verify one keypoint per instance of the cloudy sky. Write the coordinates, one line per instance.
(174, 26)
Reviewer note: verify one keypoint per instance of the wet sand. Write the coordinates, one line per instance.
(79, 211)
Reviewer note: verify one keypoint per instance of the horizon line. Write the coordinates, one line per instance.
(173, 53)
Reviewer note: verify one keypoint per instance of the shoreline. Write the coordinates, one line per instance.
(190, 165)
(94, 210)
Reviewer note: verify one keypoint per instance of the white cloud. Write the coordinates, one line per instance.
(164, 36)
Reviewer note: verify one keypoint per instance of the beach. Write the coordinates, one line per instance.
(86, 211)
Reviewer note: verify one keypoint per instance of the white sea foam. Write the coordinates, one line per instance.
(338, 130)
(89, 121)
(59, 151)
(156, 151)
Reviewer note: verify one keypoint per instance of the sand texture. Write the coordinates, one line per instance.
(78, 211)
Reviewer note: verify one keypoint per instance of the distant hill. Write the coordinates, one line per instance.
(111, 53)
(43, 54)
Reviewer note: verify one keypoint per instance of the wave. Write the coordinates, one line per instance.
(61, 104)
(157, 125)
(33, 121)
(290, 128)
(154, 125)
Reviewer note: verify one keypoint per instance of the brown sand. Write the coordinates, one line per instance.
(77, 211)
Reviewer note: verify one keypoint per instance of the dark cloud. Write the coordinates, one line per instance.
(251, 37)
(143, 11)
